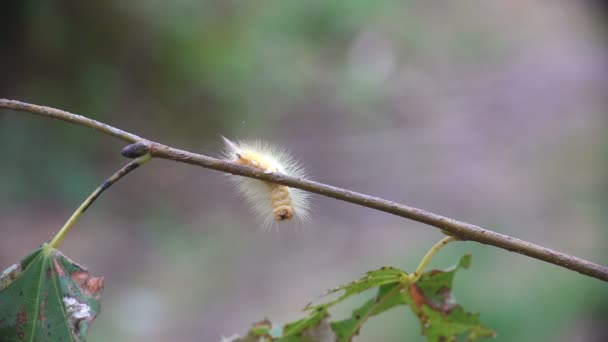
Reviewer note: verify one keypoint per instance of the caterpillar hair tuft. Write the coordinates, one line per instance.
(269, 202)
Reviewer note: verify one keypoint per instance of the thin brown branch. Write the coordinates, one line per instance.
(462, 230)
(69, 117)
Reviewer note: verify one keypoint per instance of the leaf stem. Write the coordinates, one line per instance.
(134, 164)
(414, 277)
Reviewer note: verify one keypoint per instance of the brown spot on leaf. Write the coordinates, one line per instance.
(419, 300)
(94, 284)
(417, 296)
(58, 268)
(49, 273)
(79, 276)
(20, 321)
(90, 286)
(21, 318)
(434, 272)
(43, 312)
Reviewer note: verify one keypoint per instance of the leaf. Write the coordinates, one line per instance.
(319, 331)
(258, 331)
(47, 297)
(441, 318)
(382, 276)
(314, 328)
(458, 322)
(387, 298)
(298, 327)
(317, 326)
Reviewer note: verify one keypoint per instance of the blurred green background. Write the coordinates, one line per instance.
(489, 112)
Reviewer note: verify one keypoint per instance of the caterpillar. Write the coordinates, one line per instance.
(270, 202)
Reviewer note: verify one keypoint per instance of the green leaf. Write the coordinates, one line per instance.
(441, 318)
(387, 298)
(316, 327)
(430, 298)
(453, 324)
(382, 276)
(47, 297)
(298, 327)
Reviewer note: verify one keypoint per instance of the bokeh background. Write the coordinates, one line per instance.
(489, 112)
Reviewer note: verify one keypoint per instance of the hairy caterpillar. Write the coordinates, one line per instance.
(269, 202)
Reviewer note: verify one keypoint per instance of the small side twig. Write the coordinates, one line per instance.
(461, 230)
(134, 164)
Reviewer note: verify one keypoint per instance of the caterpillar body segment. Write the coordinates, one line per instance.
(270, 202)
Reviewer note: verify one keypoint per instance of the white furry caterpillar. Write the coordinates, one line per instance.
(270, 202)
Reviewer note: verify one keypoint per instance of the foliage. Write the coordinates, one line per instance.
(47, 297)
(430, 298)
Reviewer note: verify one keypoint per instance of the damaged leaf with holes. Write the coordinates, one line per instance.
(315, 328)
(318, 325)
(387, 298)
(383, 276)
(441, 317)
(47, 297)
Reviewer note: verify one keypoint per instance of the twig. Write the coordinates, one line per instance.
(462, 230)
(134, 164)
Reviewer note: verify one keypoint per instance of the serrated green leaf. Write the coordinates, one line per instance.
(386, 279)
(299, 326)
(430, 298)
(441, 326)
(441, 318)
(376, 278)
(387, 298)
(47, 297)
(319, 331)
(310, 329)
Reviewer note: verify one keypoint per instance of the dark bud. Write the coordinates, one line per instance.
(135, 150)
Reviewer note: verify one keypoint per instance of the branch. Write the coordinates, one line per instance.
(134, 164)
(462, 230)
